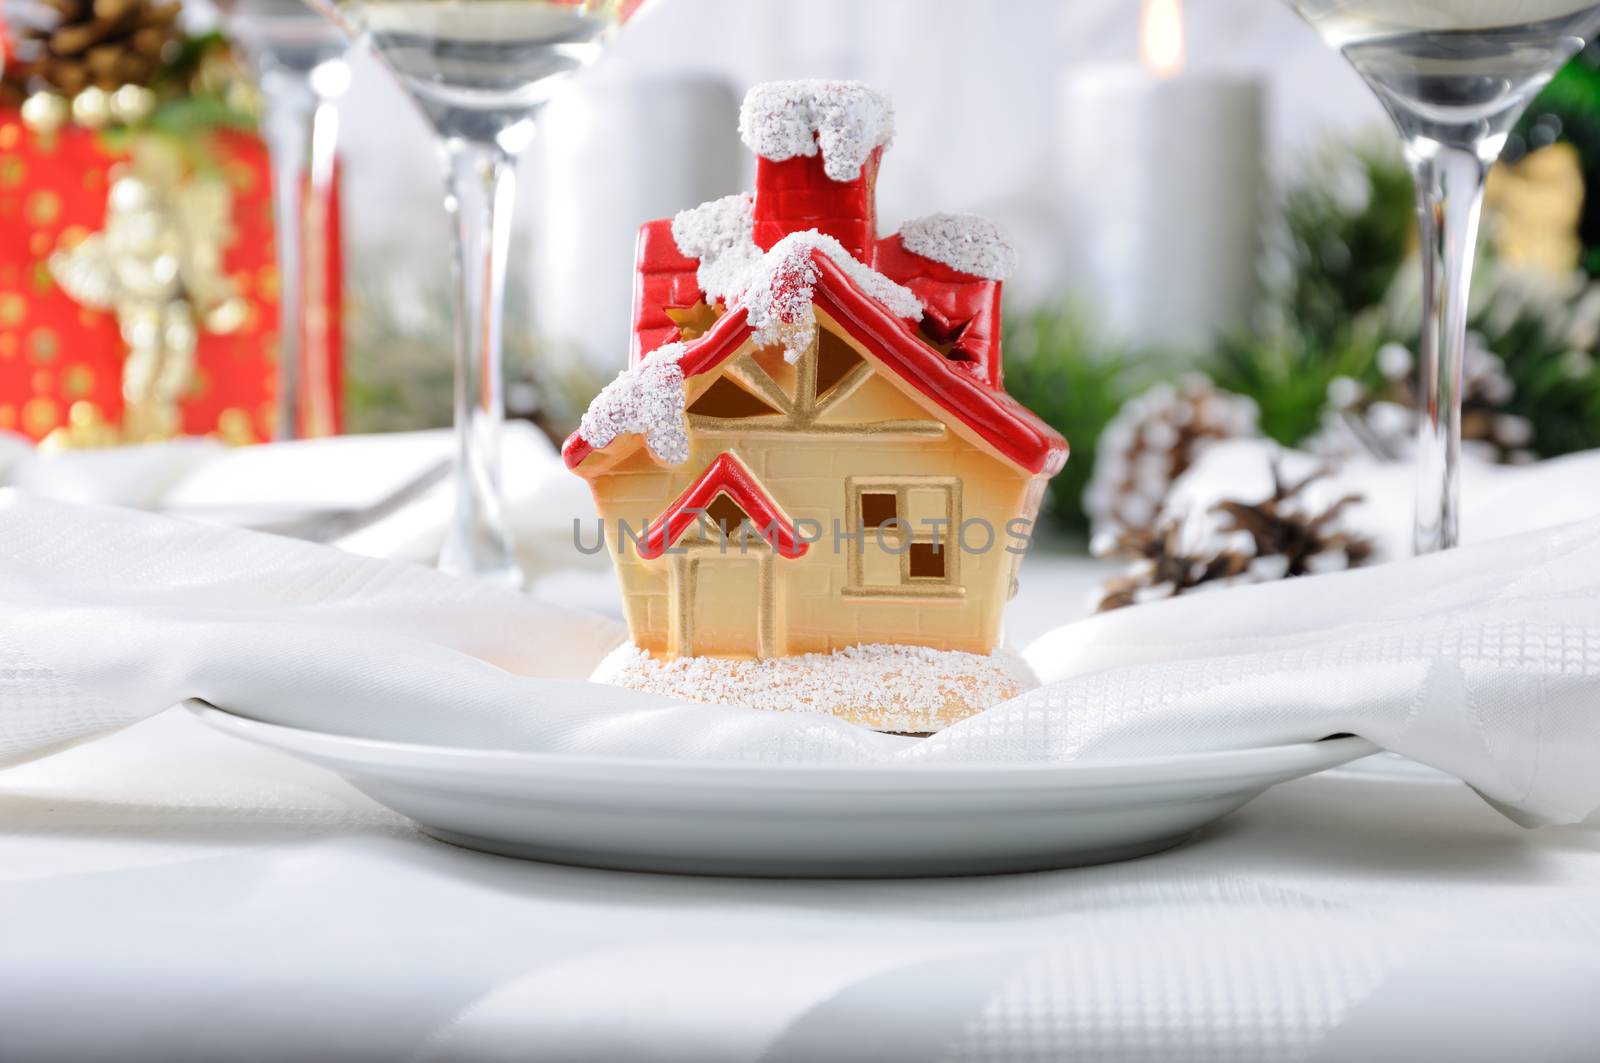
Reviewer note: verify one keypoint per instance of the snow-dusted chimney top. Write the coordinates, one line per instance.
(967, 242)
(817, 146)
(844, 120)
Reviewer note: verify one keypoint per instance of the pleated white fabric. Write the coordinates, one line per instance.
(1484, 662)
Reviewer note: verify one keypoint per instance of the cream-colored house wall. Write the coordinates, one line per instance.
(815, 606)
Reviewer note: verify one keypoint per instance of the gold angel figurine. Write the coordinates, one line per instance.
(157, 265)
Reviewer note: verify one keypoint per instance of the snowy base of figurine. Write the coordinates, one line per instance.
(900, 689)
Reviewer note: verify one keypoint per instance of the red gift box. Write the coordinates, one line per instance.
(61, 359)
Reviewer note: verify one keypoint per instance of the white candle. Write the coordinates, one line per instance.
(1162, 191)
(615, 152)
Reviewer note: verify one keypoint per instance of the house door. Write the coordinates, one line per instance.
(725, 607)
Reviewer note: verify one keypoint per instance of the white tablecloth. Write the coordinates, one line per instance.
(169, 894)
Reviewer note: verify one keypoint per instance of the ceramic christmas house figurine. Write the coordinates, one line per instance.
(815, 488)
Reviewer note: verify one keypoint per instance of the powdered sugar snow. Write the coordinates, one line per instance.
(967, 242)
(646, 398)
(779, 293)
(776, 288)
(846, 120)
(721, 235)
(899, 688)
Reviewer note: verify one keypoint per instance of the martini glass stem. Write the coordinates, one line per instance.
(1449, 181)
(482, 187)
(318, 280)
(286, 127)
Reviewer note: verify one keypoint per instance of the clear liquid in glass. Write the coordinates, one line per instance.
(287, 33)
(1467, 68)
(476, 66)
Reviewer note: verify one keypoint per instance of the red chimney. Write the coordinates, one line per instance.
(795, 195)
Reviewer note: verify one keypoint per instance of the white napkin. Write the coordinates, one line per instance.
(1483, 662)
(122, 476)
(280, 482)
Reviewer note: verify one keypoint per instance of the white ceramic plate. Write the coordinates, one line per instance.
(798, 820)
(1394, 767)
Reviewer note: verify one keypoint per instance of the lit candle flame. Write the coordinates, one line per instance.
(1161, 37)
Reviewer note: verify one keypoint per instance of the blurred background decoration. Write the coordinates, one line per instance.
(138, 288)
(1302, 307)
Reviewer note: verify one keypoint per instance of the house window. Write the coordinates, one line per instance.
(906, 528)
(878, 508)
(726, 516)
(926, 561)
(836, 360)
(726, 400)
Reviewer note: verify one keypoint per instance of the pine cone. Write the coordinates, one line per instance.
(1163, 568)
(1152, 441)
(1384, 425)
(1283, 526)
(1276, 538)
(66, 46)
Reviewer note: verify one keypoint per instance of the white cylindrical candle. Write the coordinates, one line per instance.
(614, 153)
(1162, 186)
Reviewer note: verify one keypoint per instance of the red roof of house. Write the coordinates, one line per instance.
(663, 278)
(725, 475)
(951, 384)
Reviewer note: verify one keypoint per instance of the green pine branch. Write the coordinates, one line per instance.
(1076, 380)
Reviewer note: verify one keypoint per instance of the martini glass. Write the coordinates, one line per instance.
(298, 60)
(1454, 75)
(480, 70)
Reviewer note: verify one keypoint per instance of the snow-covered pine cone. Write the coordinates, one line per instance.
(1153, 439)
(1384, 425)
(1286, 534)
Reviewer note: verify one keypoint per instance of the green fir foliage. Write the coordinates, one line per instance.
(1348, 225)
(1077, 381)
